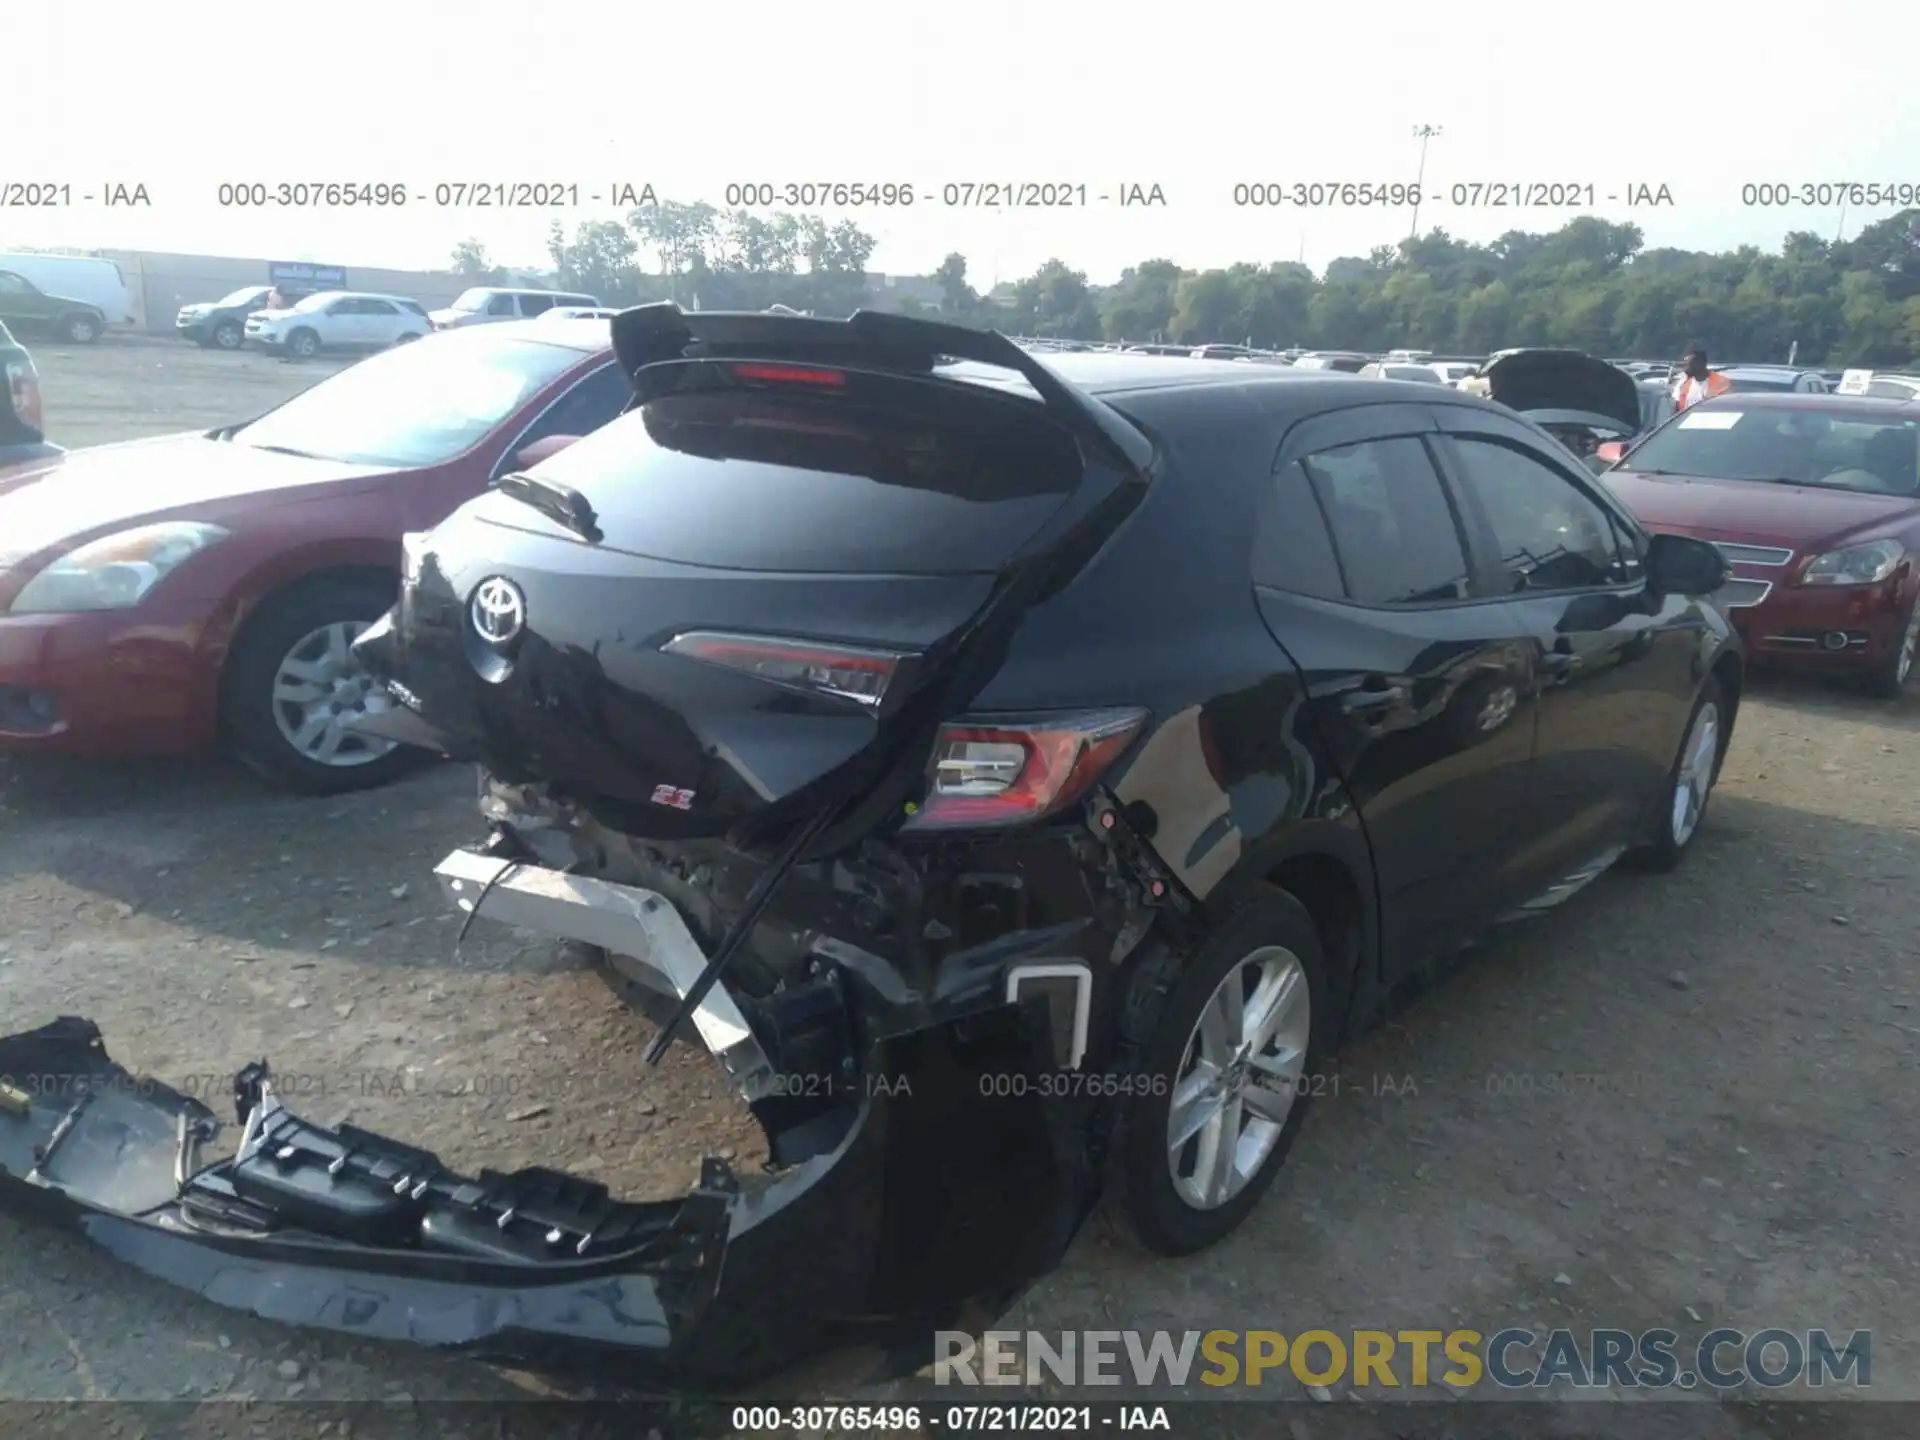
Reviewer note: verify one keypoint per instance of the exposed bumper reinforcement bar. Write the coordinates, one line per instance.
(625, 921)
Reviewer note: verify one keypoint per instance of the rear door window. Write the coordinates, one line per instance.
(907, 478)
(500, 305)
(531, 305)
(1393, 527)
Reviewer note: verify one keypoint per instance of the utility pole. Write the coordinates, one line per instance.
(1840, 231)
(1423, 133)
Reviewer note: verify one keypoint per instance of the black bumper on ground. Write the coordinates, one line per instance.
(944, 1199)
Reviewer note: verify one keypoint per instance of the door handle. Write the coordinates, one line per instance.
(1380, 698)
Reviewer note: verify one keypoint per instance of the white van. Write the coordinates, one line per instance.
(96, 282)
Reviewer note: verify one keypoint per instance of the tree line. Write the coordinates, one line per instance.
(1592, 285)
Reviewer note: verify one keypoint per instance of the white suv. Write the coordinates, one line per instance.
(487, 304)
(338, 320)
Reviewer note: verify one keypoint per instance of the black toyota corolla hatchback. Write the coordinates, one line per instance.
(1020, 776)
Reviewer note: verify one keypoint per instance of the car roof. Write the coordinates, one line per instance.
(585, 334)
(1763, 370)
(357, 295)
(1864, 405)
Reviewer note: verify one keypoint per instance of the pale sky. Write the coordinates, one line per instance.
(1193, 97)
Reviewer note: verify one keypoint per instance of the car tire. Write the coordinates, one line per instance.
(1670, 830)
(1895, 674)
(302, 344)
(78, 329)
(1157, 1183)
(227, 335)
(289, 664)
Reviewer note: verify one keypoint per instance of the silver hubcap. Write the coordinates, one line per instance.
(318, 687)
(1697, 757)
(1239, 1077)
(1909, 643)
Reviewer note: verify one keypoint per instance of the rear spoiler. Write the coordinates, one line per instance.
(662, 333)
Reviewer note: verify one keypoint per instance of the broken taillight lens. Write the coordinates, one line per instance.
(23, 388)
(987, 773)
(850, 672)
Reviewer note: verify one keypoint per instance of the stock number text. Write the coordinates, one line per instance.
(1861, 194)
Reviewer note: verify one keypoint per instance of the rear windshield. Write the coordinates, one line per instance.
(911, 478)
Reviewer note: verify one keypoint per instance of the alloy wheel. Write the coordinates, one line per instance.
(318, 687)
(1239, 1077)
(1698, 757)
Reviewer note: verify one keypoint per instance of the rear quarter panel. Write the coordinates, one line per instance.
(1229, 780)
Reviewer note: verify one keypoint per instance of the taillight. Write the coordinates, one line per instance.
(806, 375)
(23, 387)
(992, 772)
(850, 672)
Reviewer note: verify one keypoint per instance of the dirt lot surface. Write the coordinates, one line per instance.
(1733, 1144)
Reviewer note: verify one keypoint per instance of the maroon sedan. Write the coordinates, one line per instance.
(165, 596)
(1815, 499)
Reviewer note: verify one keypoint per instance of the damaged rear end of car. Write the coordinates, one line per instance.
(717, 665)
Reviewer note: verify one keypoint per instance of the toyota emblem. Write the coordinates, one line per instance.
(499, 610)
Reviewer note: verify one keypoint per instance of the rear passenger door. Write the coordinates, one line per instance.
(379, 322)
(1616, 663)
(1420, 687)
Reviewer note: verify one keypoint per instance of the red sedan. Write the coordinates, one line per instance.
(170, 595)
(1815, 499)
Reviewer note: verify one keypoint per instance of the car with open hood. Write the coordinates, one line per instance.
(1815, 500)
(175, 594)
(1018, 774)
(1581, 400)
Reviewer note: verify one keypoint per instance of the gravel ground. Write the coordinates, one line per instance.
(1744, 1159)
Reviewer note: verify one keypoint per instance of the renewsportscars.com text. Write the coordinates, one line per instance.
(1510, 1359)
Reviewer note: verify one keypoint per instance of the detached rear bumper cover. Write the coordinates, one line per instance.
(913, 1221)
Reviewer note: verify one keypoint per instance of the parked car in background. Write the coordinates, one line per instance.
(579, 312)
(171, 595)
(1452, 372)
(1159, 349)
(25, 307)
(23, 438)
(1893, 387)
(222, 324)
(1815, 499)
(1349, 361)
(489, 305)
(1773, 379)
(86, 281)
(1219, 352)
(1396, 370)
(338, 320)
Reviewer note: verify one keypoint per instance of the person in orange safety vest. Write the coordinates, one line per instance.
(1696, 381)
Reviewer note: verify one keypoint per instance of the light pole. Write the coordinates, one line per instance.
(1423, 133)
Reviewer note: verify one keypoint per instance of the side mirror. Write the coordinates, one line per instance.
(1612, 451)
(1682, 565)
(545, 448)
